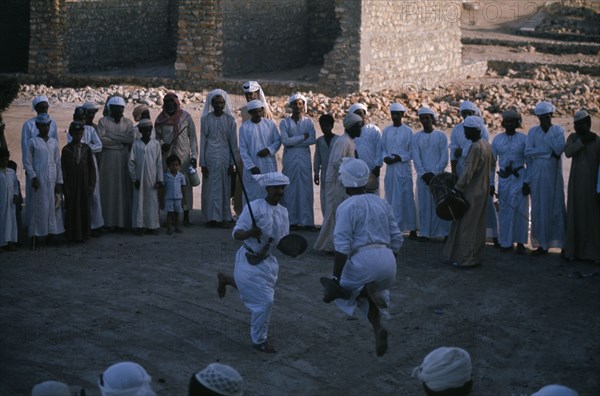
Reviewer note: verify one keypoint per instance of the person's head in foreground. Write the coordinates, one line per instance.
(125, 379)
(555, 390)
(216, 379)
(473, 126)
(445, 371)
(354, 175)
(50, 388)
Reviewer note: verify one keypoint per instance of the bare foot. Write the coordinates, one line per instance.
(222, 288)
(381, 344)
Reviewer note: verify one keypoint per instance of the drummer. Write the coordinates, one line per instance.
(464, 247)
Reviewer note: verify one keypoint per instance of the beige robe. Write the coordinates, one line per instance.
(335, 193)
(145, 165)
(467, 236)
(582, 237)
(115, 184)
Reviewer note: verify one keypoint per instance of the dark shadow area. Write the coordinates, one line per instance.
(14, 36)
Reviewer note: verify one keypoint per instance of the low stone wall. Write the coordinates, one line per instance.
(113, 33)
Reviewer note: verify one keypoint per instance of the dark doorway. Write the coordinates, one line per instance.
(14, 36)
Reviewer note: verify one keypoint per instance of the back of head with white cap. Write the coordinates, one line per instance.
(51, 388)
(445, 368)
(221, 379)
(125, 379)
(580, 115)
(555, 390)
(354, 173)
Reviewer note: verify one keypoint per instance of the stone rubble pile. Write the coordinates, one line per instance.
(520, 90)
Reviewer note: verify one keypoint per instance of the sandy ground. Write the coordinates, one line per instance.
(68, 312)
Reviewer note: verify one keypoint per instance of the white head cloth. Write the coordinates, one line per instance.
(272, 179)
(116, 101)
(50, 388)
(468, 105)
(351, 119)
(90, 106)
(208, 107)
(145, 122)
(426, 110)
(474, 122)
(544, 108)
(555, 390)
(297, 96)
(222, 379)
(126, 379)
(580, 115)
(397, 107)
(354, 172)
(255, 104)
(358, 106)
(444, 368)
(38, 99)
(253, 86)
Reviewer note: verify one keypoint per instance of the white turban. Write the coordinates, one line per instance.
(51, 388)
(208, 107)
(354, 172)
(222, 379)
(580, 115)
(426, 110)
(474, 122)
(272, 179)
(357, 106)
(544, 108)
(126, 379)
(90, 106)
(297, 96)
(351, 119)
(250, 86)
(470, 106)
(254, 104)
(555, 390)
(116, 101)
(444, 368)
(38, 99)
(138, 110)
(397, 107)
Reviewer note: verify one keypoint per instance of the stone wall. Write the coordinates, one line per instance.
(264, 35)
(323, 29)
(341, 66)
(47, 48)
(114, 33)
(404, 42)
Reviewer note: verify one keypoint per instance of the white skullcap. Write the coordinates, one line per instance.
(272, 179)
(351, 119)
(38, 99)
(126, 379)
(555, 390)
(254, 104)
(297, 96)
(250, 86)
(397, 107)
(468, 105)
(116, 101)
(90, 106)
(354, 172)
(222, 379)
(357, 106)
(544, 108)
(50, 388)
(580, 115)
(474, 122)
(145, 122)
(444, 368)
(426, 110)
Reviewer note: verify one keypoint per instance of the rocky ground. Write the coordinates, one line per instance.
(68, 312)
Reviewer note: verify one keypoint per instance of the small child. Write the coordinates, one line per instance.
(79, 176)
(18, 204)
(9, 188)
(146, 172)
(175, 188)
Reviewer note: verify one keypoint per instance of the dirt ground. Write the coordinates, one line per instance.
(68, 312)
